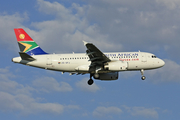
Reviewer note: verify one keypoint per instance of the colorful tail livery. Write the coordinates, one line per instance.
(26, 43)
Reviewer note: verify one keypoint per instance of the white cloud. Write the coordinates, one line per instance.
(82, 85)
(9, 103)
(17, 97)
(26, 105)
(7, 25)
(142, 111)
(49, 84)
(10, 86)
(4, 70)
(53, 8)
(170, 4)
(31, 106)
(69, 27)
(78, 10)
(48, 107)
(122, 9)
(147, 18)
(106, 111)
(64, 29)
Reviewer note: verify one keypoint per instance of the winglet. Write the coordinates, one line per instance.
(85, 42)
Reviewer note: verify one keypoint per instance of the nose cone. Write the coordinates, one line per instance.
(162, 63)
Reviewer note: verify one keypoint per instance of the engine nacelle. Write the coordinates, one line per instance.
(116, 66)
(106, 76)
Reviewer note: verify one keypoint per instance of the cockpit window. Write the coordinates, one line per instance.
(153, 56)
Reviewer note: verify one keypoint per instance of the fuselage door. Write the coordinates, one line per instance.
(48, 60)
(143, 57)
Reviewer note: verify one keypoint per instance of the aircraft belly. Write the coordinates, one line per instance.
(145, 65)
(137, 65)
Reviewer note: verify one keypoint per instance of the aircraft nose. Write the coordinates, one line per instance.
(162, 63)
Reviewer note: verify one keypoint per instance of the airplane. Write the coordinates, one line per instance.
(100, 66)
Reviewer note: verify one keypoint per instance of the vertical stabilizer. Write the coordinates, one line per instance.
(26, 43)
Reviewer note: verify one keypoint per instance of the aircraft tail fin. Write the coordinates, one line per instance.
(26, 43)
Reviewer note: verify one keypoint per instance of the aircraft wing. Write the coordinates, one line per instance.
(96, 56)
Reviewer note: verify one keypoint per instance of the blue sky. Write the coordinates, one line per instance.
(116, 25)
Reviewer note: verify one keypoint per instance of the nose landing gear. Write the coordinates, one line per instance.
(142, 73)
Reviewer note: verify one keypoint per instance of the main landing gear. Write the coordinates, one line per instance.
(90, 81)
(142, 73)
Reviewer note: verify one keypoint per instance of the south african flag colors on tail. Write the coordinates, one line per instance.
(26, 43)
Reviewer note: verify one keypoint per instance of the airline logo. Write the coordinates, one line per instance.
(21, 36)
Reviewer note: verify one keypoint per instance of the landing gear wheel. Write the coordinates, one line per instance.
(143, 77)
(90, 82)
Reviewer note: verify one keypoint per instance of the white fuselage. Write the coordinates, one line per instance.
(79, 63)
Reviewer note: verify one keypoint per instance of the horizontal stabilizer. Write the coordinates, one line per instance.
(25, 56)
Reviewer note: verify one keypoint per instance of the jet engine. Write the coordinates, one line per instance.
(106, 76)
(116, 66)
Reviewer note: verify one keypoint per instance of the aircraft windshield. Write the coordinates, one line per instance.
(153, 56)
